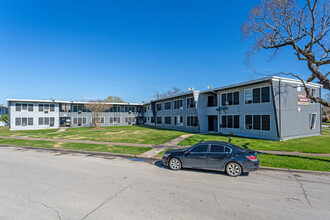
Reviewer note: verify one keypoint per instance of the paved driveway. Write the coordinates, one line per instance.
(43, 185)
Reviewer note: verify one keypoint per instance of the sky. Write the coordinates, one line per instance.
(81, 50)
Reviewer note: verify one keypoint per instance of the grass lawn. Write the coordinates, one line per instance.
(316, 144)
(326, 123)
(124, 134)
(78, 146)
(295, 162)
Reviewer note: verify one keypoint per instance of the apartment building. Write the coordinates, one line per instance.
(42, 114)
(273, 108)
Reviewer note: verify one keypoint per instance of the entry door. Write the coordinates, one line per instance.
(196, 158)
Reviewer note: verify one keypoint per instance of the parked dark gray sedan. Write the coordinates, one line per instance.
(213, 155)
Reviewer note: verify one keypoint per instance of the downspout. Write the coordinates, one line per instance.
(320, 113)
(276, 120)
(199, 127)
(279, 108)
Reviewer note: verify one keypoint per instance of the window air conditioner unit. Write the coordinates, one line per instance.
(45, 111)
(129, 112)
(79, 112)
(226, 103)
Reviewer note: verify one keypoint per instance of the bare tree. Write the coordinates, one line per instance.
(302, 25)
(97, 108)
(172, 92)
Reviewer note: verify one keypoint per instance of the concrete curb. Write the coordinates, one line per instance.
(294, 170)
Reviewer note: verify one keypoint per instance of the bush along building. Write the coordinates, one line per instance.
(273, 108)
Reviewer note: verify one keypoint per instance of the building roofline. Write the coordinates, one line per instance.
(175, 96)
(67, 102)
(258, 81)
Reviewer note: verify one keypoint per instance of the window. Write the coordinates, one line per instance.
(313, 120)
(84, 120)
(230, 121)
(41, 107)
(192, 121)
(257, 122)
(167, 120)
(18, 107)
(236, 98)
(231, 98)
(101, 120)
(200, 149)
(178, 104)
(265, 94)
(24, 107)
(114, 120)
(18, 121)
(74, 108)
(30, 121)
(190, 102)
(79, 121)
(159, 106)
(257, 95)
(75, 121)
(159, 120)
(217, 148)
(30, 107)
(248, 96)
(40, 121)
(167, 105)
(52, 107)
(212, 101)
(129, 120)
(152, 119)
(313, 93)
(51, 121)
(46, 107)
(266, 122)
(46, 121)
(248, 122)
(178, 120)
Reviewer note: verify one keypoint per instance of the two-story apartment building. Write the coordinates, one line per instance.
(272, 108)
(41, 114)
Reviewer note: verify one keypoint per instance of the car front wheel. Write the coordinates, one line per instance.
(233, 169)
(175, 164)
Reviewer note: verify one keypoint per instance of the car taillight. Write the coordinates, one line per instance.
(252, 158)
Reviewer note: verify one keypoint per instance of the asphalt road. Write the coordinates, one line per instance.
(38, 184)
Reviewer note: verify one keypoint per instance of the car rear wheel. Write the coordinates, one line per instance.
(233, 169)
(175, 164)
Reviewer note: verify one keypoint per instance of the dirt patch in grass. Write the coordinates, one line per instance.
(117, 132)
(58, 145)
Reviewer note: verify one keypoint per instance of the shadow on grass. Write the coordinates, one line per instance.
(161, 165)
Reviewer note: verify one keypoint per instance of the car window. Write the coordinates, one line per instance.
(200, 149)
(217, 149)
(227, 150)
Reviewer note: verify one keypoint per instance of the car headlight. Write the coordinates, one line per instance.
(167, 154)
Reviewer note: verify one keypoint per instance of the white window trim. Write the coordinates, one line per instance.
(164, 119)
(239, 100)
(239, 122)
(259, 87)
(270, 123)
(191, 125)
(169, 108)
(312, 127)
(178, 124)
(180, 107)
(187, 102)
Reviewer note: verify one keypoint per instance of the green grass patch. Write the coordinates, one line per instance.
(295, 162)
(78, 146)
(315, 144)
(123, 134)
(326, 123)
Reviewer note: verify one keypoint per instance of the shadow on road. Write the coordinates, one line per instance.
(161, 165)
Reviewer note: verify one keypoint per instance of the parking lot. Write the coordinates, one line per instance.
(39, 184)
